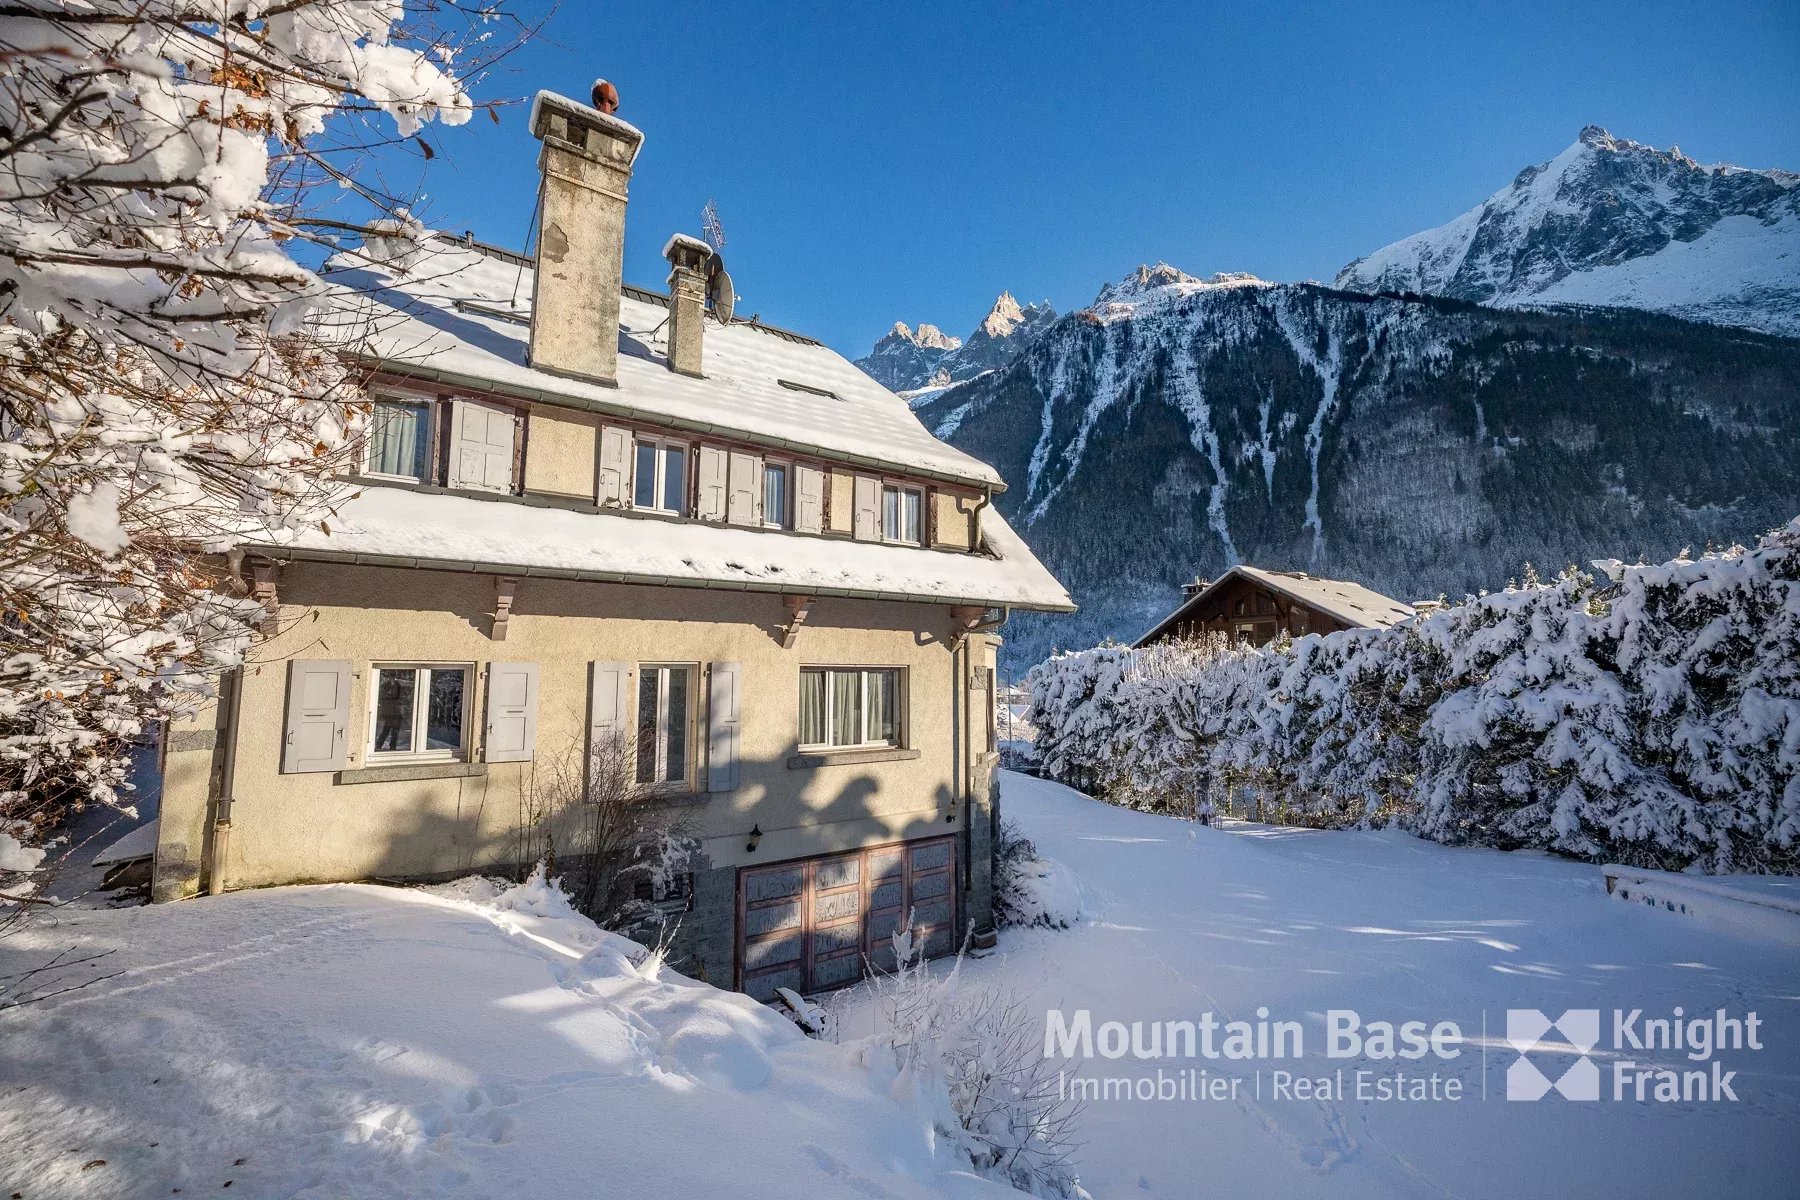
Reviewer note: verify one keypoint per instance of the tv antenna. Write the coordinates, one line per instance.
(710, 227)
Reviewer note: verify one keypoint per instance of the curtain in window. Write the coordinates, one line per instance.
(775, 495)
(846, 708)
(910, 501)
(676, 727)
(890, 514)
(397, 441)
(884, 706)
(812, 708)
(646, 726)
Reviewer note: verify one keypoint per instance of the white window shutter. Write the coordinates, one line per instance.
(481, 447)
(512, 700)
(614, 486)
(724, 718)
(744, 506)
(608, 695)
(866, 523)
(709, 482)
(318, 716)
(809, 499)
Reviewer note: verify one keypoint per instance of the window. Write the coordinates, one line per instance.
(775, 495)
(900, 511)
(661, 477)
(849, 707)
(664, 721)
(419, 712)
(399, 443)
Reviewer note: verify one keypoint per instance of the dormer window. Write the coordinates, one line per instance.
(901, 511)
(399, 445)
(660, 476)
(775, 495)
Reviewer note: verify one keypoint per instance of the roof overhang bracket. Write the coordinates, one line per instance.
(506, 589)
(799, 608)
(265, 591)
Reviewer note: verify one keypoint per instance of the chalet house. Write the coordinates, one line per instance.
(1252, 605)
(590, 514)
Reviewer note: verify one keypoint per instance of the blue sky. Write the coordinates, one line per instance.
(875, 162)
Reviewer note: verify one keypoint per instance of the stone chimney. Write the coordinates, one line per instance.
(584, 170)
(688, 258)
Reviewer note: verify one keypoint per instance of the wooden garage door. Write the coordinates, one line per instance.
(811, 924)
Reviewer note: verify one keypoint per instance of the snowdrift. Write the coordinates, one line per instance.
(468, 1040)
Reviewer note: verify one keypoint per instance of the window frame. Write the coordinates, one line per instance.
(901, 488)
(426, 473)
(786, 467)
(900, 708)
(660, 753)
(663, 445)
(421, 714)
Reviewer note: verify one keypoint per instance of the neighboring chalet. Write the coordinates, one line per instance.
(1252, 605)
(591, 516)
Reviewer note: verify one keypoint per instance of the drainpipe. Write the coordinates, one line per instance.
(987, 498)
(219, 847)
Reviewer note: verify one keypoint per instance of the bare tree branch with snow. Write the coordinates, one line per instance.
(162, 389)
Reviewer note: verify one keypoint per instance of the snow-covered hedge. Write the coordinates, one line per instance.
(1643, 714)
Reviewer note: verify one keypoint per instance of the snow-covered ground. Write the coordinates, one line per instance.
(1182, 919)
(354, 1041)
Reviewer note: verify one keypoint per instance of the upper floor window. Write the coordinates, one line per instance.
(418, 711)
(660, 476)
(901, 511)
(665, 717)
(399, 444)
(849, 707)
(775, 495)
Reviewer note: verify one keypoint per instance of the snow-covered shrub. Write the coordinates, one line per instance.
(620, 856)
(1649, 715)
(1030, 889)
(1142, 728)
(974, 1058)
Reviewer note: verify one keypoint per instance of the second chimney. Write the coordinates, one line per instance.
(585, 168)
(687, 301)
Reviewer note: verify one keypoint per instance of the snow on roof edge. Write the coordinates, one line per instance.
(403, 528)
(1285, 583)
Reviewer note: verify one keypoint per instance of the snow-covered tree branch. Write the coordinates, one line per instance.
(161, 388)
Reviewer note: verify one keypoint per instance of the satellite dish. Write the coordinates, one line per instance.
(720, 295)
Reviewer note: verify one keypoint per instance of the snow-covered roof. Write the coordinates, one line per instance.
(444, 311)
(1352, 603)
(398, 526)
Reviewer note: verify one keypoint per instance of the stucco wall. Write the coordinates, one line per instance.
(560, 452)
(843, 502)
(955, 519)
(289, 828)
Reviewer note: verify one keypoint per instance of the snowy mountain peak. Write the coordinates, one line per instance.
(1614, 222)
(1143, 283)
(926, 335)
(906, 360)
(1151, 285)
